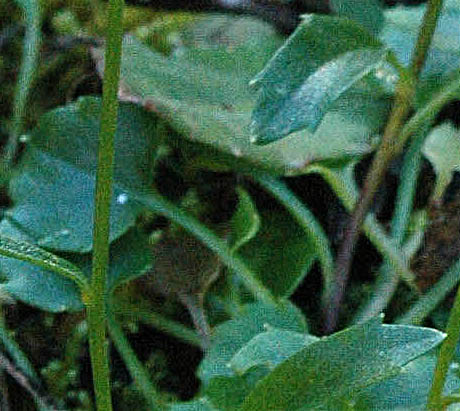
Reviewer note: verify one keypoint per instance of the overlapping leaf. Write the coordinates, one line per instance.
(49, 291)
(321, 60)
(53, 188)
(349, 361)
(230, 336)
(202, 91)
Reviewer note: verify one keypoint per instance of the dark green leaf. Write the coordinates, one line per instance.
(35, 285)
(348, 361)
(322, 59)
(368, 13)
(230, 336)
(53, 189)
(281, 253)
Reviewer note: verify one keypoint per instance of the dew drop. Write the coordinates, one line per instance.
(454, 366)
(122, 198)
(24, 138)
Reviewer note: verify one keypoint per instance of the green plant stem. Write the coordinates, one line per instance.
(432, 298)
(158, 204)
(27, 72)
(405, 92)
(308, 222)
(96, 301)
(445, 355)
(342, 182)
(161, 323)
(388, 279)
(135, 367)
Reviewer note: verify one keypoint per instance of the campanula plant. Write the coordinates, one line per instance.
(168, 203)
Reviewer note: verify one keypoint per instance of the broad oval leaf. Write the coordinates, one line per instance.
(202, 92)
(53, 188)
(309, 72)
(349, 361)
(409, 390)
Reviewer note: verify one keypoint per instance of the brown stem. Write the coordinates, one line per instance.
(389, 147)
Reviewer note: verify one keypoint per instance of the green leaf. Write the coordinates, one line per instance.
(409, 390)
(330, 373)
(245, 221)
(202, 91)
(280, 246)
(269, 349)
(309, 72)
(230, 336)
(53, 189)
(442, 149)
(130, 257)
(228, 393)
(369, 13)
(35, 285)
(400, 32)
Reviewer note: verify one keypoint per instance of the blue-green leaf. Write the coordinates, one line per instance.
(368, 13)
(349, 361)
(53, 188)
(230, 336)
(321, 60)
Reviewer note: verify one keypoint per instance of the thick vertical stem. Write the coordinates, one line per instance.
(96, 301)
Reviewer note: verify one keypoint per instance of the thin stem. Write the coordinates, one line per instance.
(161, 323)
(388, 279)
(27, 72)
(158, 204)
(342, 182)
(445, 355)
(388, 149)
(432, 298)
(308, 222)
(23, 381)
(96, 301)
(135, 367)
